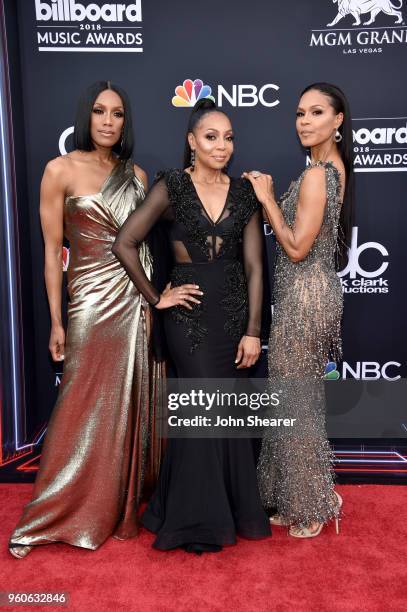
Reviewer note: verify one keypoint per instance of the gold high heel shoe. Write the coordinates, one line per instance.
(340, 504)
(18, 551)
(277, 519)
(306, 532)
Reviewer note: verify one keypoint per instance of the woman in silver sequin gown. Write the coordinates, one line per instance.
(294, 470)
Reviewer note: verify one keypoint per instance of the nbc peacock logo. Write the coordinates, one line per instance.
(331, 373)
(190, 92)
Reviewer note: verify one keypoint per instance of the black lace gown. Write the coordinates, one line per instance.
(207, 491)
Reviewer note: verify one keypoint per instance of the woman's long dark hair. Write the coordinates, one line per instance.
(201, 108)
(82, 140)
(340, 104)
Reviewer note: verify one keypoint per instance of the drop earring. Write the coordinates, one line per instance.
(192, 160)
(338, 136)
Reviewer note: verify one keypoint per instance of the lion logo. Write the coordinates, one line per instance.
(356, 8)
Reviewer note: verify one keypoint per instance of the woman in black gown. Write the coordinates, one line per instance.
(207, 491)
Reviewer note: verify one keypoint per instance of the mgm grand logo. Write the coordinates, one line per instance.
(352, 35)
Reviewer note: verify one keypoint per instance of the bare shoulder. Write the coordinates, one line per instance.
(57, 166)
(141, 174)
(58, 172)
(312, 194)
(56, 176)
(313, 178)
(53, 189)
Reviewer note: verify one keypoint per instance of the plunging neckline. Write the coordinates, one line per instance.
(102, 188)
(202, 204)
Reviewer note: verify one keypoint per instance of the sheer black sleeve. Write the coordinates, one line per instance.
(135, 230)
(253, 265)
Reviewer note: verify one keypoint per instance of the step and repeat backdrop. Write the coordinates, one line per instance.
(254, 58)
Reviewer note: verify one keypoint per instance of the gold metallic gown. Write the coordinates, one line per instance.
(100, 438)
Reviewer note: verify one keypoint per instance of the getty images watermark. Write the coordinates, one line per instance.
(221, 400)
(252, 408)
(222, 408)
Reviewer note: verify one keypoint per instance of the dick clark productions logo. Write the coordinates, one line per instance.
(354, 278)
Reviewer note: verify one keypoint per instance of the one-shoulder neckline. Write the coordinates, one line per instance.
(102, 188)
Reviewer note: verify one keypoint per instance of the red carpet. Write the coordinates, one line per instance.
(364, 569)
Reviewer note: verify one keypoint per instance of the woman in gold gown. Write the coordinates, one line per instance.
(99, 443)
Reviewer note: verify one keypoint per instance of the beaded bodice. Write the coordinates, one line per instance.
(194, 236)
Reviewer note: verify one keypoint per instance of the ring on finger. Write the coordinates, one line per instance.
(255, 173)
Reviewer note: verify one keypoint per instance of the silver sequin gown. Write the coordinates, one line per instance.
(295, 466)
